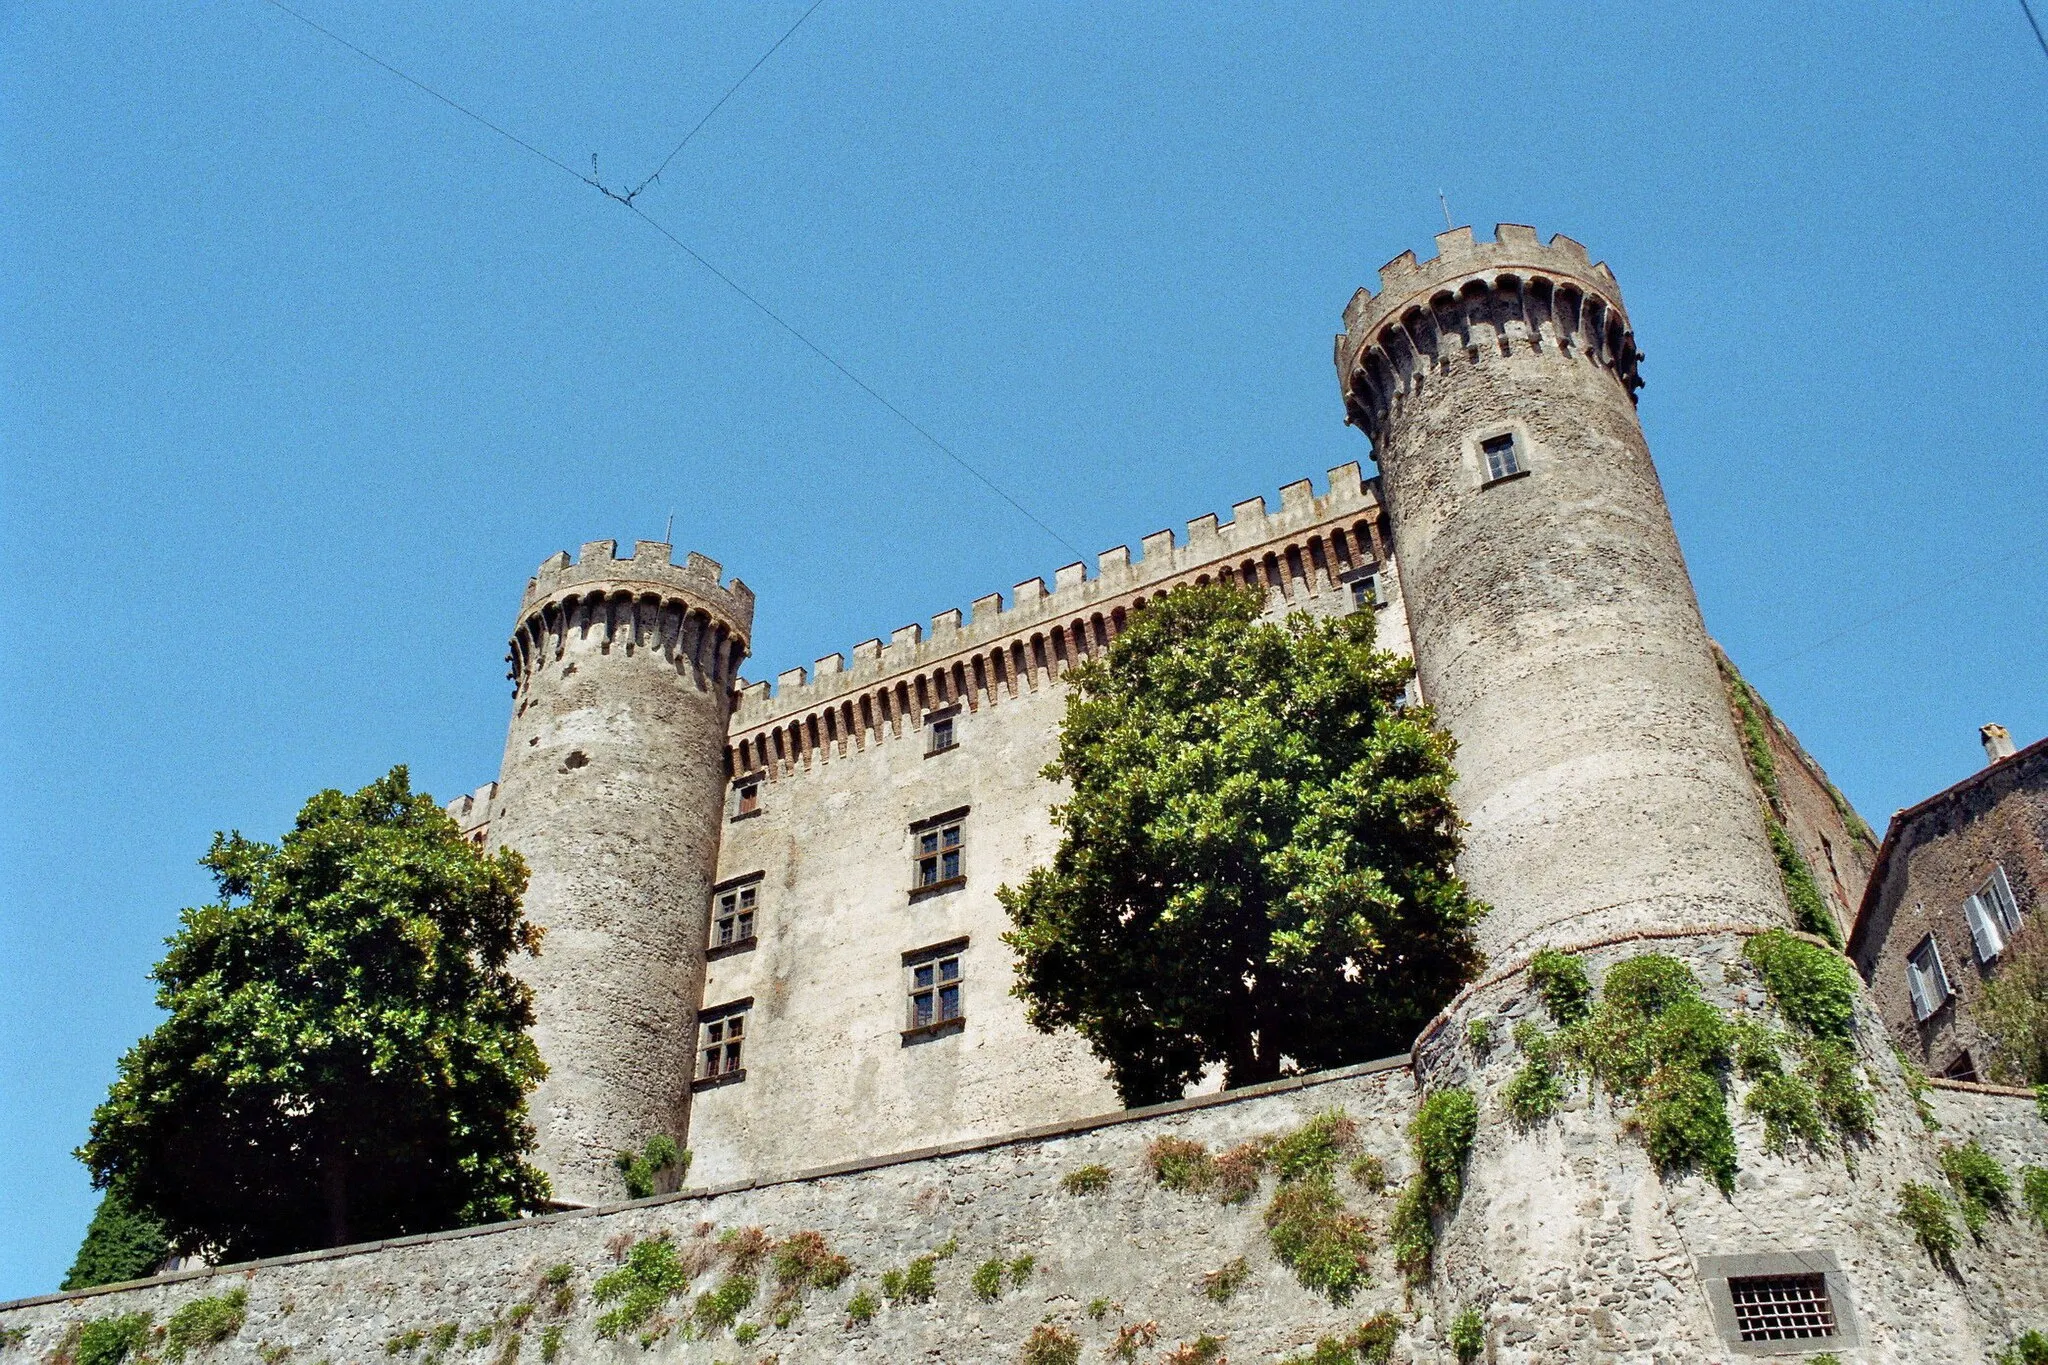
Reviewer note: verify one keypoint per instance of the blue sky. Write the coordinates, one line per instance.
(302, 373)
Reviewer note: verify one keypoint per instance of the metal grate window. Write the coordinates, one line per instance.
(1782, 1307)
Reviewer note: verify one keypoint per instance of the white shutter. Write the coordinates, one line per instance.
(1940, 973)
(1916, 990)
(1983, 928)
(1999, 892)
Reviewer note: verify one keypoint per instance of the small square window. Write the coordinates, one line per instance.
(936, 981)
(1926, 981)
(721, 1040)
(733, 921)
(747, 799)
(1503, 457)
(939, 853)
(1782, 1307)
(942, 735)
(1365, 592)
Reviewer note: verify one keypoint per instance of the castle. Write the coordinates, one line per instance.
(772, 931)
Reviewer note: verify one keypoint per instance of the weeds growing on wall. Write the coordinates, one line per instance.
(1802, 892)
(1467, 1335)
(658, 1168)
(1370, 1174)
(2034, 1194)
(1328, 1351)
(1918, 1086)
(1132, 1338)
(1561, 982)
(722, 1306)
(1203, 1350)
(1374, 1340)
(1981, 1185)
(1922, 1209)
(1221, 1284)
(2029, 1348)
(861, 1308)
(1180, 1164)
(917, 1282)
(1441, 1138)
(1090, 1179)
(205, 1322)
(1050, 1344)
(652, 1274)
(987, 1280)
(551, 1342)
(1234, 1174)
(1328, 1249)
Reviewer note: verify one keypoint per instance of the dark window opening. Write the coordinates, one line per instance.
(734, 922)
(935, 991)
(1502, 457)
(939, 853)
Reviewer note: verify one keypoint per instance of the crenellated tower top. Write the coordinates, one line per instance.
(1471, 299)
(650, 568)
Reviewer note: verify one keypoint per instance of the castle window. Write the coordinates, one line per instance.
(732, 917)
(1926, 981)
(1998, 901)
(746, 799)
(721, 1038)
(1987, 926)
(1503, 457)
(936, 980)
(941, 734)
(1764, 1303)
(939, 861)
(1367, 591)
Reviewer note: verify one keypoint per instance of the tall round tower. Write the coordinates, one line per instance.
(612, 789)
(1555, 627)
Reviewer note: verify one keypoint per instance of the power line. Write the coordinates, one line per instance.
(2035, 24)
(1895, 607)
(627, 201)
(635, 192)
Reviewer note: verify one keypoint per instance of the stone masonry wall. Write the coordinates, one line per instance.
(1140, 1249)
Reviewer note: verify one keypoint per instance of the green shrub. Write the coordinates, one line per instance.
(1535, 1091)
(443, 1336)
(109, 1341)
(1981, 1185)
(1234, 1174)
(987, 1280)
(1051, 1345)
(1813, 989)
(1328, 1351)
(1375, 1338)
(660, 1163)
(1098, 1308)
(480, 1336)
(1328, 1250)
(747, 1333)
(650, 1276)
(1090, 1179)
(1560, 979)
(1441, 1138)
(1221, 1284)
(551, 1343)
(915, 1283)
(1922, 1209)
(861, 1308)
(1788, 1110)
(1180, 1164)
(1371, 1174)
(1479, 1036)
(1021, 1268)
(1314, 1148)
(1468, 1335)
(721, 1307)
(123, 1242)
(2029, 1348)
(804, 1260)
(205, 1322)
(2034, 1194)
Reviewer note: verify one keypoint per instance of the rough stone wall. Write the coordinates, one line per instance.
(611, 790)
(1934, 856)
(1840, 854)
(1139, 1247)
(1582, 1251)
(1555, 626)
(830, 1073)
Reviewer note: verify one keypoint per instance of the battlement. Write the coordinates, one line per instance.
(651, 565)
(1475, 299)
(1209, 543)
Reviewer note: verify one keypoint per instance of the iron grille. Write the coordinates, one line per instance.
(1780, 1307)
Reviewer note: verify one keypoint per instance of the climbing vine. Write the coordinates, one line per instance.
(1441, 1138)
(1802, 892)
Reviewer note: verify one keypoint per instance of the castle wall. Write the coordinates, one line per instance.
(1140, 1248)
(832, 1069)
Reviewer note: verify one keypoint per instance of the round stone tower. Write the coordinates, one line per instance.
(1555, 628)
(613, 788)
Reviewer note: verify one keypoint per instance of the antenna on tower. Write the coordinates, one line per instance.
(668, 531)
(1445, 204)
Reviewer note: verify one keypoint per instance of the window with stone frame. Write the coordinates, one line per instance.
(940, 852)
(1367, 591)
(721, 1042)
(1926, 979)
(746, 798)
(732, 915)
(936, 981)
(942, 732)
(1503, 457)
(1782, 1307)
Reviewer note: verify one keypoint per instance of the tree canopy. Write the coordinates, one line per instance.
(346, 1054)
(1255, 866)
(121, 1243)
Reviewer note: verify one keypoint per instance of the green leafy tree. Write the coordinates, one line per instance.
(121, 1243)
(1256, 853)
(346, 1054)
(2014, 1009)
